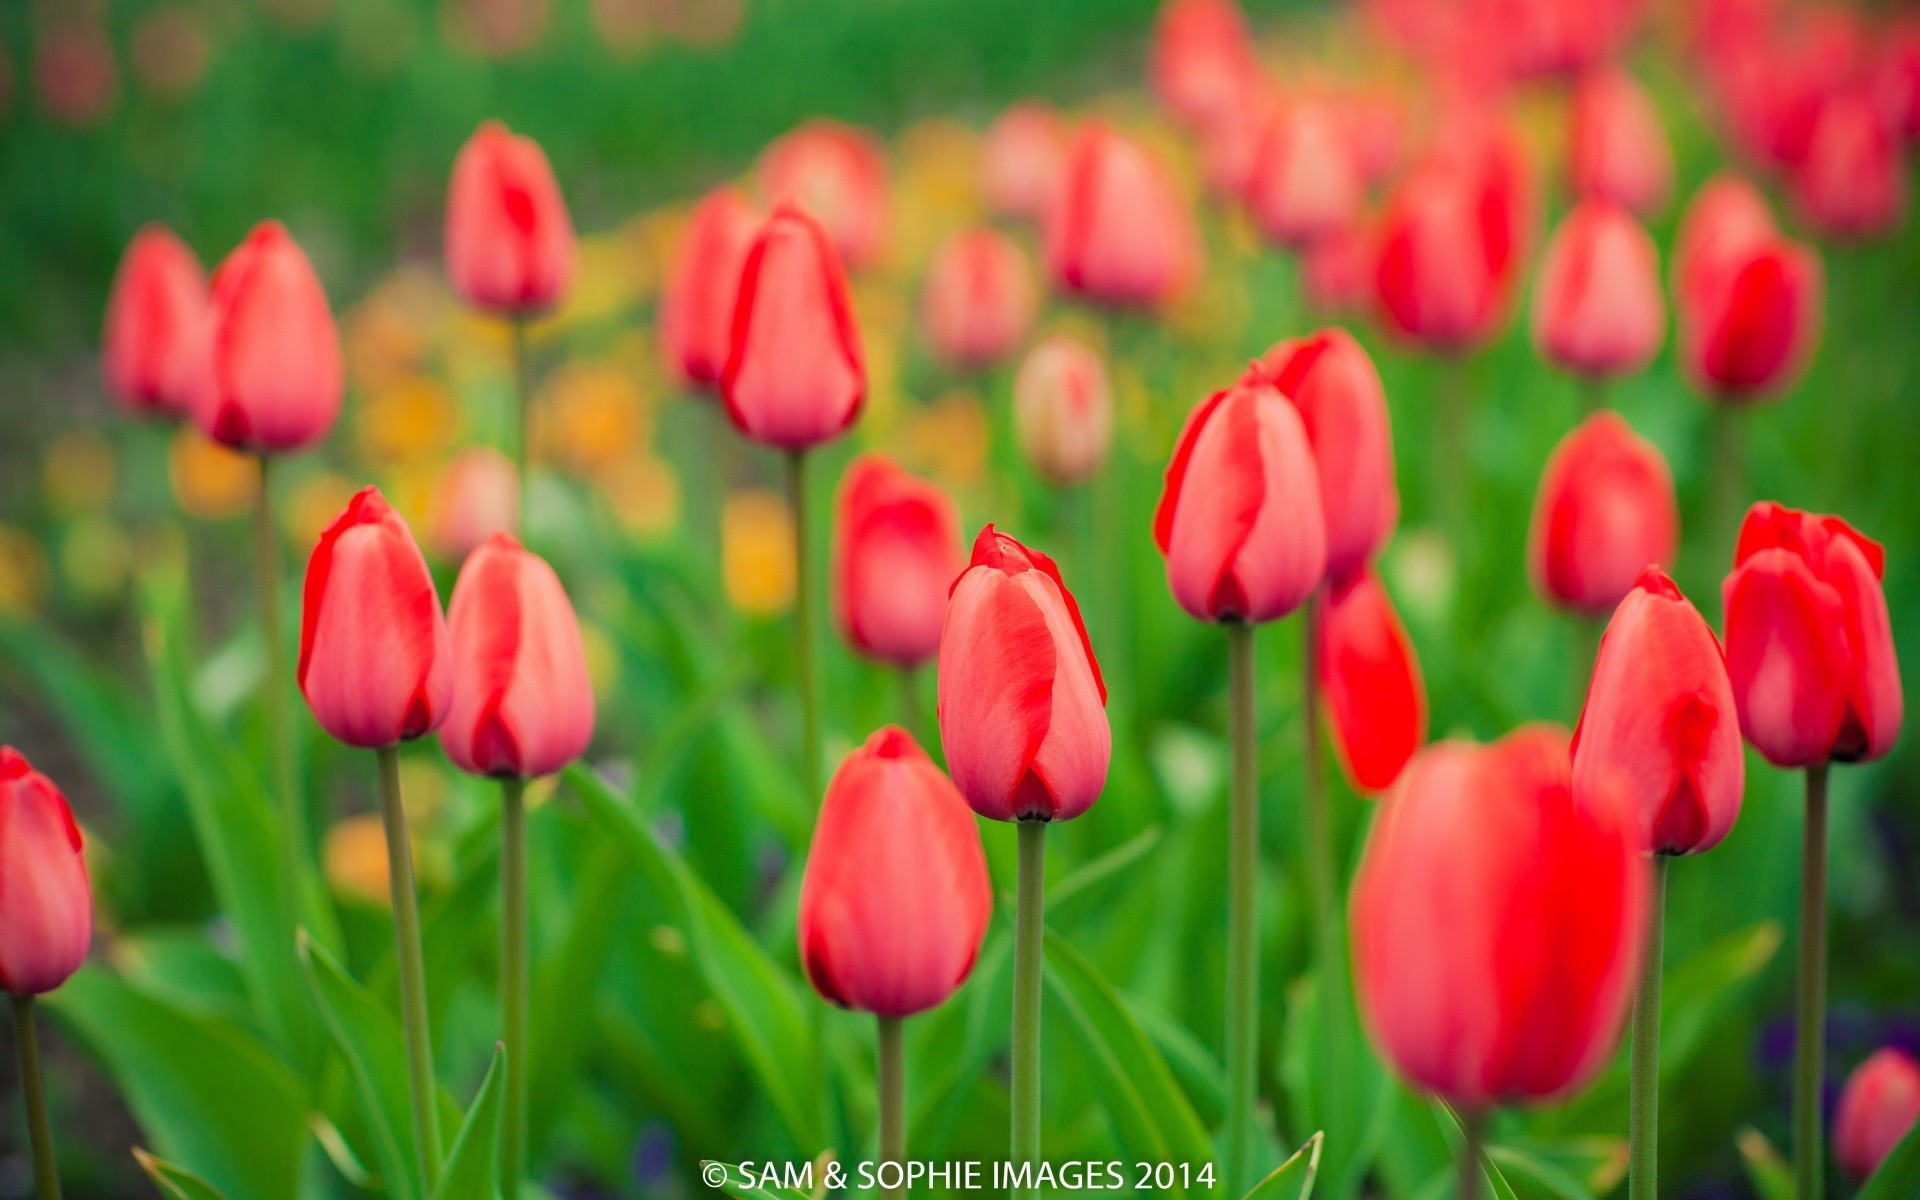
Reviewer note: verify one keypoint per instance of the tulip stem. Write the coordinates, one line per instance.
(522, 452)
(513, 980)
(1809, 1066)
(910, 701)
(46, 1173)
(1029, 921)
(293, 815)
(1317, 824)
(412, 963)
(1593, 395)
(1243, 935)
(803, 622)
(1643, 1103)
(1473, 1126)
(892, 1062)
(1453, 475)
(1726, 479)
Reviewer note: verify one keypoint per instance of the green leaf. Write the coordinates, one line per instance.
(1455, 1134)
(557, 1034)
(1292, 1179)
(1088, 877)
(1532, 1176)
(1772, 1178)
(729, 1178)
(1333, 1081)
(471, 1171)
(1898, 1175)
(176, 1183)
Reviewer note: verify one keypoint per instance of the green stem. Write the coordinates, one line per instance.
(1243, 934)
(1474, 1127)
(1593, 395)
(892, 1088)
(513, 980)
(523, 436)
(1643, 1105)
(293, 814)
(910, 714)
(1029, 922)
(1586, 655)
(803, 622)
(1809, 1066)
(1453, 474)
(1315, 820)
(413, 983)
(46, 1172)
(1728, 480)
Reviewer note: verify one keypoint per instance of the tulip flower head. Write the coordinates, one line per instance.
(1748, 299)
(1852, 181)
(1597, 307)
(1021, 161)
(978, 300)
(156, 324)
(702, 284)
(1879, 1106)
(896, 553)
(1606, 510)
(46, 901)
(837, 175)
(1119, 232)
(1617, 149)
(1202, 56)
(1369, 680)
(1063, 410)
(509, 240)
(1305, 180)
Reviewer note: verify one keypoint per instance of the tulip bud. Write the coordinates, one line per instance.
(373, 644)
(1723, 223)
(1063, 410)
(1119, 232)
(895, 900)
(1434, 274)
(1879, 1106)
(896, 553)
(1021, 161)
(1809, 643)
(1230, 140)
(46, 902)
(271, 378)
(1617, 149)
(702, 284)
(1659, 712)
(978, 299)
(837, 175)
(1852, 180)
(1249, 542)
(1895, 74)
(1306, 179)
(476, 496)
(156, 324)
(1370, 682)
(1022, 706)
(795, 376)
(1201, 56)
(1498, 922)
(1748, 300)
(510, 245)
(1605, 511)
(522, 703)
(1597, 308)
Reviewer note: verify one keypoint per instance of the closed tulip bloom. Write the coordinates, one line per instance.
(1498, 923)
(1852, 180)
(1201, 56)
(1809, 644)
(374, 663)
(1022, 705)
(697, 298)
(510, 245)
(1617, 149)
(1021, 161)
(46, 902)
(895, 900)
(1063, 410)
(896, 553)
(271, 378)
(1895, 75)
(1878, 1107)
(522, 703)
(1726, 219)
(1305, 180)
(1369, 680)
(1605, 511)
(1597, 306)
(1752, 327)
(795, 376)
(1230, 141)
(1659, 713)
(156, 324)
(1119, 232)
(1247, 541)
(837, 175)
(977, 301)
(1435, 279)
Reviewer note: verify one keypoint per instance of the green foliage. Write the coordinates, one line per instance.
(175, 1183)
(1899, 1173)
(471, 1171)
(1294, 1178)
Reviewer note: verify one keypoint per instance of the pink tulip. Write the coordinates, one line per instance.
(476, 496)
(1852, 180)
(896, 553)
(978, 300)
(1063, 410)
(46, 901)
(1597, 307)
(510, 245)
(1606, 510)
(836, 174)
(1617, 149)
(1119, 232)
(702, 285)
(156, 324)
(1021, 161)
(1201, 57)
(1879, 1106)
(1305, 180)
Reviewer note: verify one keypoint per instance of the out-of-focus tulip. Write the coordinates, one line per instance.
(156, 324)
(1852, 180)
(1337, 272)
(1119, 232)
(1369, 679)
(1498, 923)
(510, 246)
(1022, 706)
(895, 900)
(476, 496)
(1334, 387)
(1597, 306)
(1770, 85)
(374, 662)
(1880, 1104)
(836, 174)
(896, 553)
(1726, 219)
(1895, 75)
(1445, 257)
(1063, 410)
(522, 703)
(978, 300)
(1659, 713)
(46, 902)
(1230, 141)
(1606, 510)
(1809, 644)
(1021, 161)
(697, 299)
(1202, 56)
(1751, 327)
(1306, 180)
(74, 75)
(1538, 37)
(1376, 129)
(1248, 541)
(271, 378)
(795, 375)
(1617, 149)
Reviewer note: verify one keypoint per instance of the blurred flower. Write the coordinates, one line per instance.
(474, 496)
(643, 492)
(389, 335)
(46, 923)
(1617, 149)
(1305, 180)
(409, 419)
(313, 504)
(949, 440)
(695, 322)
(896, 553)
(496, 28)
(1202, 58)
(1852, 180)
(837, 174)
(1231, 140)
(590, 416)
(1063, 410)
(977, 300)
(1879, 1106)
(1337, 272)
(156, 324)
(1021, 160)
(1369, 679)
(170, 51)
(23, 573)
(74, 74)
(509, 239)
(700, 23)
(1119, 232)
(625, 26)
(1597, 306)
(1748, 300)
(1895, 75)
(1606, 509)
(210, 481)
(756, 552)
(77, 471)
(355, 859)
(95, 556)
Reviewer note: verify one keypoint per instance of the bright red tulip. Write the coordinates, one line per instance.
(1879, 1106)
(1230, 140)
(271, 378)
(1617, 149)
(1119, 231)
(1659, 713)
(522, 703)
(1305, 180)
(156, 324)
(837, 175)
(1726, 220)
(1606, 510)
(1021, 161)
(795, 376)
(1852, 180)
(896, 553)
(895, 900)
(1201, 58)
(1248, 542)
(1369, 680)
(46, 902)
(1597, 307)
(510, 246)
(1063, 410)
(374, 662)
(1498, 922)
(978, 300)
(1809, 643)
(1022, 706)
(697, 298)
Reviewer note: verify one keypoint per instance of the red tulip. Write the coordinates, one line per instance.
(1751, 327)
(1597, 308)
(895, 900)
(1021, 161)
(1230, 140)
(697, 298)
(838, 175)
(510, 246)
(1305, 180)
(1725, 222)
(1250, 541)
(1201, 57)
(795, 376)
(896, 553)
(1063, 410)
(374, 663)
(1879, 1106)
(476, 496)
(1659, 713)
(271, 378)
(1617, 149)
(522, 703)
(978, 299)
(1337, 274)
(156, 324)
(1852, 180)
(1605, 511)
(1497, 920)
(1895, 75)
(1376, 123)
(46, 901)
(1022, 706)
(1557, 36)
(1119, 231)
(1369, 680)
(1809, 643)
(1770, 85)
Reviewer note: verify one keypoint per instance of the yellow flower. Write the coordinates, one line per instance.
(590, 416)
(313, 504)
(78, 473)
(23, 573)
(644, 494)
(611, 273)
(412, 417)
(948, 440)
(356, 859)
(389, 335)
(210, 481)
(756, 551)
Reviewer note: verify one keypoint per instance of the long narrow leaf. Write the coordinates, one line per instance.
(176, 1183)
(1292, 1179)
(472, 1169)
